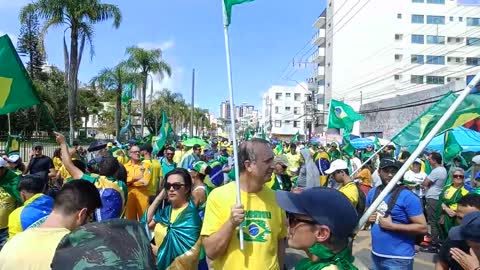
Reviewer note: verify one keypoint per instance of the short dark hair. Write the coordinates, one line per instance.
(187, 178)
(343, 170)
(437, 157)
(75, 143)
(31, 184)
(76, 195)
(246, 151)
(121, 173)
(108, 166)
(196, 147)
(79, 164)
(147, 147)
(471, 199)
(170, 149)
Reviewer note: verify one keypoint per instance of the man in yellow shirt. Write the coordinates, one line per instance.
(264, 228)
(155, 170)
(294, 159)
(34, 248)
(179, 152)
(137, 181)
(339, 171)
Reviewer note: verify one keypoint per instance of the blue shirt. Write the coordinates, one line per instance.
(391, 244)
(166, 168)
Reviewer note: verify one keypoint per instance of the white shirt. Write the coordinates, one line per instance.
(418, 178)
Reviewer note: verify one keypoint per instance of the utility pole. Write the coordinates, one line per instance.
(193, 100)
(151, 92)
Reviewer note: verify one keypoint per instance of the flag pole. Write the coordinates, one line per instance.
(370, 158)
(418, 151)
(232, 119)
(9, 124)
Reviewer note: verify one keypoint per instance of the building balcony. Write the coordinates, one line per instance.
(319, 38)
(318, 57)
(319, 74)
(320, 22)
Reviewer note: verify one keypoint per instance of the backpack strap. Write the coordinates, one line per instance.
(393, 198)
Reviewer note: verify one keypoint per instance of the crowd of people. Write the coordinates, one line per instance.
(129, 207)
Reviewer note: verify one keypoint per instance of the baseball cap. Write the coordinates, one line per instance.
(282, 159)
(417, 160)
(3, 163)
(336, 211)
(208, 153)
(13, 158)
(37, 145)
(476, 159)
(468, 230)
(337, 165)
(390, 162)
(201, 167)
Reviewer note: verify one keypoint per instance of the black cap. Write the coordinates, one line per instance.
(325, 205)
(468, 230)
(390, 162)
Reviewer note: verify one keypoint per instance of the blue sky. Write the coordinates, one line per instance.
(264, 37)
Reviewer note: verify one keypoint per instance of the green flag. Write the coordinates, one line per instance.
(264, 134)
(342, 115)
(16, 88)
(451, 147)
(376, 143)
(127, 93)
(228, 9)
(13, 144)
(347, 146)
(248, 134)
(126, 127)
(418, 129)
(161, 139)
(295, 138)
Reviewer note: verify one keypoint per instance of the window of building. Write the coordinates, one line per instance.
(399, 15)
(396, 77)
(431, 19)
(416, 79)
(473, 41)
(435, 80)
(328, 45)
(435, 39)
(278, 96)
(320, 100)
(276, 109)
(288, 94)
(436, 1)
(451, 18)
(398, 57)
(453, 40)
(460, 19)
(278, 123)
(398, 36)
(287, 109)
(417, 59)
(473, 21)
(418, 18)
(418, 1)
(287, 122)
(418, 39)
(296, 124)
(296, 97)
(296, 110)
(473, 61)
(435, 60)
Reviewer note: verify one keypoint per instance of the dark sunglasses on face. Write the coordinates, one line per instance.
(176, 186)
(294, 221)
(459, 176)
(390, 170)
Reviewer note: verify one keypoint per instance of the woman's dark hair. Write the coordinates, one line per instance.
(19, 165)
(184, 174)
(57, 153)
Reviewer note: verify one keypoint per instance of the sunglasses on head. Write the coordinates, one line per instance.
(176, 186)
(459, 176)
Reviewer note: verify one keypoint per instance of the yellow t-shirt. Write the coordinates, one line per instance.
(294, 162)
(32, 249)
(137, 171)
(64, 173)
(449, 194)
(161, 230)
(7, 205)
(178, 156)
(155, 173)
(57, 163)
(264, 226)
(351, 191)
(366, 177)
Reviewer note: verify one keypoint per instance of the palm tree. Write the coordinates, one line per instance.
(113, 79)
(79, 17)
(146, 62)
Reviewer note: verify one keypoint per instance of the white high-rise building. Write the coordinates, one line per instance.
(225, 110)
(377, 49)
(283, 110)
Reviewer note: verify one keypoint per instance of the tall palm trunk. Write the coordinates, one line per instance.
(118, 113)
(72, 80)
(144, 92)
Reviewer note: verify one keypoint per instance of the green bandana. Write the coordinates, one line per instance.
(343, 260)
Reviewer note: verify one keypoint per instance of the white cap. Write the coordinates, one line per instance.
(3, 163)
(337, 165)
(476, 159)
(417, 160)
(13, 158)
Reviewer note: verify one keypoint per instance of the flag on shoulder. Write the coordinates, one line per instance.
(342, 115)
(16, 88)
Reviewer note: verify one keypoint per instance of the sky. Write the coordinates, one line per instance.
(265, 35)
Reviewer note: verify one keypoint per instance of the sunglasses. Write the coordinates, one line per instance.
(459, 176)
(176, 186)
(169, 154)
(390, 170)
(293, 221)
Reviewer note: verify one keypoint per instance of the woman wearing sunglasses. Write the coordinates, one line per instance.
(451, 194)
(177, 226)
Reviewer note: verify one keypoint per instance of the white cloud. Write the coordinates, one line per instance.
(166, 45)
